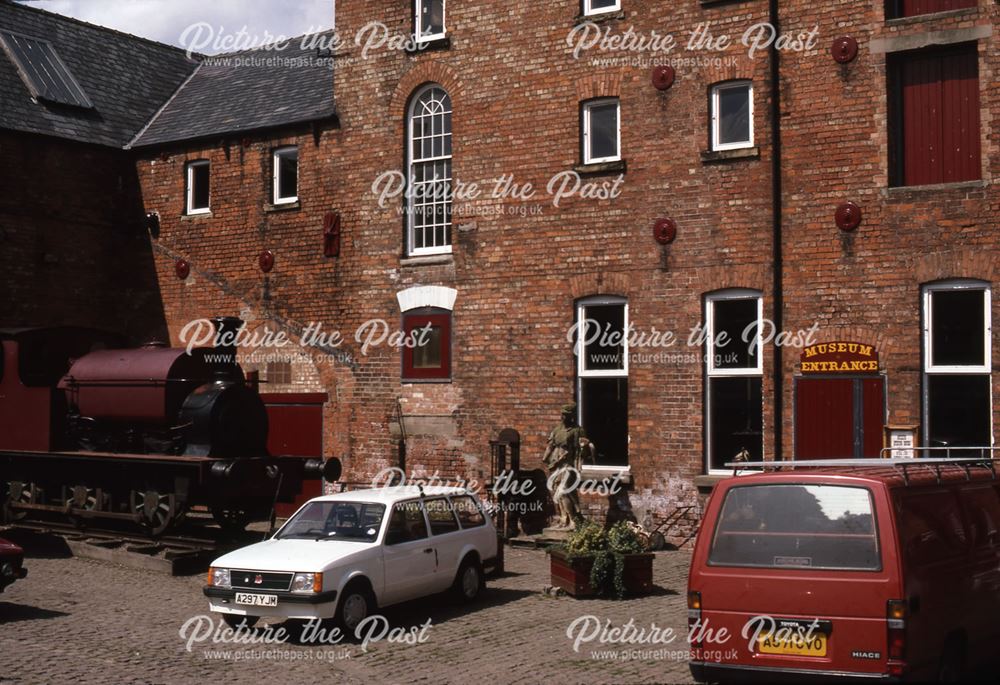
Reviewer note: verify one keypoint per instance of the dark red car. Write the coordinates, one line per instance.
(11, 563)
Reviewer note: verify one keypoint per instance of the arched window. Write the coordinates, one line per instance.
(429, 192)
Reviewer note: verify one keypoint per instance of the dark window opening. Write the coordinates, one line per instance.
(427, 348)
(604, 409)
(958, 413)
(934, 128)
(736, 419)
(286, 175)
(958, 324)
(603, 335)
(198, 186)
(737, 318)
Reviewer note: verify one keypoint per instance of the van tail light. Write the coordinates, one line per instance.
(694, 619)
(895, 620)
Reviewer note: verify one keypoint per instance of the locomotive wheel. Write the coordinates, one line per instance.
(156, 511)
(25, 493)
(89, 499)
(231, 520)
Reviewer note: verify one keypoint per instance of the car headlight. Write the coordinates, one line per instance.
(219, 577)
(307, 582)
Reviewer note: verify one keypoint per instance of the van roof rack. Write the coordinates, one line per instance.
(902, 463)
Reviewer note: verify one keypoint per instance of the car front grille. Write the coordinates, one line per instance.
(269, 580)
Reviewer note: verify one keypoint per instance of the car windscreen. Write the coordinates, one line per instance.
(357, 521)
(797, 526)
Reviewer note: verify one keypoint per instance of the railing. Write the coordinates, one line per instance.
(987, 458)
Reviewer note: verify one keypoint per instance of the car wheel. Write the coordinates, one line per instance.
(356, 604)
(235, 621)
(469, 581)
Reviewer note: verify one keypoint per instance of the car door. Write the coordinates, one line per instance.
(410, 561)
(447, 539)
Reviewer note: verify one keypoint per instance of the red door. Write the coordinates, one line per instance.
(839, 417)
(295, 429)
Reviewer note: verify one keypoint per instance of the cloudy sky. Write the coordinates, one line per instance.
(167, 20)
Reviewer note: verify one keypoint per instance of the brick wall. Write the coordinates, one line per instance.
(515, 88)
(72, 238)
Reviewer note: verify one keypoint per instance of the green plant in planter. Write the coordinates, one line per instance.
(608, 547)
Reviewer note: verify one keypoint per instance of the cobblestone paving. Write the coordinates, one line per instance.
(80, 621)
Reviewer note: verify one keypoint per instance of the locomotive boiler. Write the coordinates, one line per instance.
(91, 430)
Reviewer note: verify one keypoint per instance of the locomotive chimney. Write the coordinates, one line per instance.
(226, 329)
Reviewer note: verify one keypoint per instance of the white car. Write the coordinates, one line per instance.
(342, 556)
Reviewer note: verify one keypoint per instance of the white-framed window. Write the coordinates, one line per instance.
(601, 135)
(601, 348)
(734, 403)
(732, 115)
(429, 19)
(198, 187)
(957, 364)
(285, 163)
(429, 153)
(592, 7)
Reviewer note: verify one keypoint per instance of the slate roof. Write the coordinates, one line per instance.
(247, 91)
(125, 77)
(146, 93)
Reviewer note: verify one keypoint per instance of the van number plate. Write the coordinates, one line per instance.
(794, 645)
(256, 600)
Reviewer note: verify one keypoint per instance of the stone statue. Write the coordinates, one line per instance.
(567, 448)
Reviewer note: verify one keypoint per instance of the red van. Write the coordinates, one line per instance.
(882, 569)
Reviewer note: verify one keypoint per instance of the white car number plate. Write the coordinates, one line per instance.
(256, 600)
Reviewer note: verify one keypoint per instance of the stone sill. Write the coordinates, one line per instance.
(715, 156)
(429, 45)
(283, 207)
(599, 168)
(194, 217)
(428, 260)
(933, 16)
(903, 191)
(606, 473)
(708, 481)
(598, 18)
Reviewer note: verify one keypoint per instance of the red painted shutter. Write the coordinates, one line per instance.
(940, 107)
(912, 8)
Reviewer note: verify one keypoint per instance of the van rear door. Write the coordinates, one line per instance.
(798, 572)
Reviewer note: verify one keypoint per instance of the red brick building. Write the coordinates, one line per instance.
(569, 91)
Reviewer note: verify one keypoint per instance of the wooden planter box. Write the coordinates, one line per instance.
(573, 575)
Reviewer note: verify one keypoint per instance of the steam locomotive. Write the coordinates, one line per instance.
(92, 430)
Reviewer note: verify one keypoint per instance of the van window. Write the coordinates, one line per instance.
(982, 511)
(930, 527)
(797, 526)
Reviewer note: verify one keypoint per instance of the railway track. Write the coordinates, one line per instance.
(188, 551)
